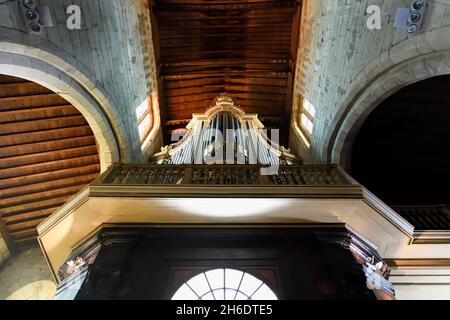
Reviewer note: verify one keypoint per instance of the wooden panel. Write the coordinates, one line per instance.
(48, 153)
(244, 48)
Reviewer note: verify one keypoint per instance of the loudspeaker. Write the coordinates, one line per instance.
(411, 19)
(416, 16)
(31, 15)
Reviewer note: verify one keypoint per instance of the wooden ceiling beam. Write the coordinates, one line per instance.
(27, 225)
(9, 79)
(33, 206)
(29, 215)
(183, 55)
(41, 125)
(260, 62)
(256, 89)
(48, 180)
(19, 89)
(239, 40)
(272, 82)
(164, 6)
(28, 234)
(220, 34)
(44, 195)
(170, 85)
(31, 101)
(260, 25)
(206, 103)
(46, 146)
(263, 82)
(37, 113)
(45, 136)
(247, 73)
(46, 158)
(172, 93)
(49, 166)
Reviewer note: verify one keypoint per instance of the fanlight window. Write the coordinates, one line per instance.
(224, 284)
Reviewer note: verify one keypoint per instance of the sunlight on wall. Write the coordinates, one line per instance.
(149, 120)
(27, 276)
(227, 208)
(304, 122)
(38, 290)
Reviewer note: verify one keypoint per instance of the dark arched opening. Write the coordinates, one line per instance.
(402, 151)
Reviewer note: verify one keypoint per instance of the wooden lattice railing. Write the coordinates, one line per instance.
(224, 175)
(426, 217)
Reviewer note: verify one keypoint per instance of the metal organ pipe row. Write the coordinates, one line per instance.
(225, 139)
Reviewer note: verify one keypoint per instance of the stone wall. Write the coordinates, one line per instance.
(26, 276)
(4, 252)
(340, 57)
(113, 51)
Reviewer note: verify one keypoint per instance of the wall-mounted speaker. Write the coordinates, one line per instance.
(412, 18)
(31, 15)
(416, 17)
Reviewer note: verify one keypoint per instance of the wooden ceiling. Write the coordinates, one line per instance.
(244, 48)
(47, 154)
(402, 152)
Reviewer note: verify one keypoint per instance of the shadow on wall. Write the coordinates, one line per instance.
(26, 276)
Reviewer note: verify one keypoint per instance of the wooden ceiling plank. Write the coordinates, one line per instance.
(40, 125)
(31, 224)
(17, 172)
(46, 157)
(174, 56)
(243, 33)
(21, 89)
(33, 206)
(36, 101)
(38, 147)
(205, 15)
(227, 62)
(229, 70)
(23, 234)
(194, 90)
(247, 73)
(10, 79)
(241, 41)
(37, 113)
(273, 48)
(197, 97)
(46, 181)
(169, 85)
(44, 195)
(44, 136)
(256, 89)
(30, 215)
(277, 23)
(258, 81)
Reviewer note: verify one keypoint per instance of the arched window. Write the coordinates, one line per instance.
(224, 284)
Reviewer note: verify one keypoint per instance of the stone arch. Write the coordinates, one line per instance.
(39, 72)
(410, 61)
(46, 53)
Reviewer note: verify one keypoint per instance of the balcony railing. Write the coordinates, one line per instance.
(426, 217)
(287, 175)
